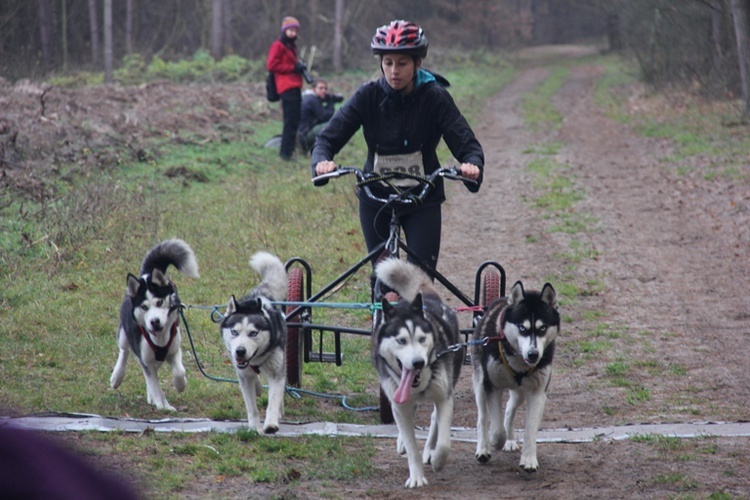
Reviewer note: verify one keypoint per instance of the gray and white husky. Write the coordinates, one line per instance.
(254, 332)
(522, 329)
(149, 319)
(413, 365)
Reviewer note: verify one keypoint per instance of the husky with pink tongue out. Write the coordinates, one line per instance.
(413, 364)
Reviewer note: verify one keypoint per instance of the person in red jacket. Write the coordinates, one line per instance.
(288, 70)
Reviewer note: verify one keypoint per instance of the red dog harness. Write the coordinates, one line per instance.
(160, 352)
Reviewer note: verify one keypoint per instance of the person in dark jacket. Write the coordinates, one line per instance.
(288, 70)
(318, 107)
(404, 114)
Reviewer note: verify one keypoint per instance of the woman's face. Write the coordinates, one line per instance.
(399, 71)
(291, 32)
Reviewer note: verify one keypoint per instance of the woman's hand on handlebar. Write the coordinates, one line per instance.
(468, 170)
(324, 167)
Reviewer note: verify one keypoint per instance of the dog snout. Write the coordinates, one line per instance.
(418, 363)
(533, 355)
(240, 352)
(156, 324)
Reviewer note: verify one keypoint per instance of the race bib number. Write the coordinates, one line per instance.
(410, 163)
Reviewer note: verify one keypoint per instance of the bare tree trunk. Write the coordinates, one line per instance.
(226, 21)
(129, 27)
(94, 29)
(44, 32)
(108, 55)
(216, 33)
(338, 31)
(313, 7)
(741, 15)
(64, 33)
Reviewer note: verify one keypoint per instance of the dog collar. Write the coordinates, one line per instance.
(160, 352)
(255, 369)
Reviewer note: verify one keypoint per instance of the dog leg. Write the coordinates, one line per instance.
(534, 413)
(497, 430)
(515, 400)
(249, 383)
(483, 423)
(154, 393)
(178, 370)
(442, 417)
(275, 407)
(118, 373)
(400, 446)
(404, 416)
(431, 442)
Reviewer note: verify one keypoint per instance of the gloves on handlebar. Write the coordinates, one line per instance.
(300, 67)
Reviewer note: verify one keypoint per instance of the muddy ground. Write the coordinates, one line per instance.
(662, 264)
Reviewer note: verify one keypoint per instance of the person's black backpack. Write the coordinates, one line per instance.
(271, 94)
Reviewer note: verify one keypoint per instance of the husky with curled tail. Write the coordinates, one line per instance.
(522, 329)
(409, 353)
(149, 319)
(254, 333)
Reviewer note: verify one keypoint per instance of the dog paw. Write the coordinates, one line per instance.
(400, 446)
(415, 482)
(511, 446)
(497, 441)
(271, 429)
(483, 458)
(180, 383)
(529, 464)
(439, 458)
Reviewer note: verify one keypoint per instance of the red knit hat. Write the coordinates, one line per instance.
(289, 22)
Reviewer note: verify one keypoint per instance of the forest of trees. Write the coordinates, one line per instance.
(703, 43)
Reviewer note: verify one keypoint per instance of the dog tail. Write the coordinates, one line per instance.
(274, 284)
(406, 279)
(173, 252)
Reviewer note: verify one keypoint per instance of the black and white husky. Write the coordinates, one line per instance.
(254, 332)
(413, 365)
(521, 331)
(149, 319)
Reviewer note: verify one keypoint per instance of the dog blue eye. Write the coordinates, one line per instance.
(401, 341)
(423, 340)
(254, 333)
(234, 332)
(144, 307)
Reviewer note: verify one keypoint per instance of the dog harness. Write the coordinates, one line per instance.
(160, 352)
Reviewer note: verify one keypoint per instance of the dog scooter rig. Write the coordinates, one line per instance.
(489, 281)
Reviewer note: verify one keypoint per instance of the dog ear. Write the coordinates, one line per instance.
(132, 284)
(259, 305)
(231, 306)
(549, 296)
(516, 294)
(158, 278)
(417, 305)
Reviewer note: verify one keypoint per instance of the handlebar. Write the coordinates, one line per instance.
(406, 196)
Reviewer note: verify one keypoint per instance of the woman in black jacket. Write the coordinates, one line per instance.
(404, 114)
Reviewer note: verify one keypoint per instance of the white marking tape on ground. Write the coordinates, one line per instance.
(61, 422)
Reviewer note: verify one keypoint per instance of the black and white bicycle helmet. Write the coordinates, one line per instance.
(401, 37)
